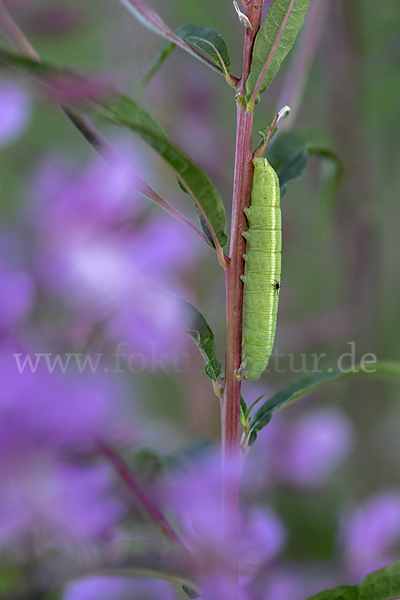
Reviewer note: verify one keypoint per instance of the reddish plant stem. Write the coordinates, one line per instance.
(132, 484)
(230, 406)
(234, 286)
(14, 35)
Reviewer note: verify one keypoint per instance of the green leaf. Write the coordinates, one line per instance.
(290, 142)
(287, 13)
(210, 42)
(243, 411)
(125, 111)
(10, 59)
(304, 386)
(288, 155)
(254, 403)
(265, 131)
(198, 328)
(292, 169)
(206, 231)
(150, 19)
(379, 585)
(153, 68)
(206, 39)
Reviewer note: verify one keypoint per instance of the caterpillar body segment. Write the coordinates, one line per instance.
(263, 269)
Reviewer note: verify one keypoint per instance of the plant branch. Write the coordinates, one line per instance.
(111, 156)
(22, 45)
(130, 481)
(14, 35)
(150, 19)
(263, 145)
(230, 404)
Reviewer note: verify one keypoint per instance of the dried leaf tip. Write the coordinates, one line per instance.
(283, 113)
(242, 17)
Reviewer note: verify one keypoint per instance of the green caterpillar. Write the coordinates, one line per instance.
(263, 269)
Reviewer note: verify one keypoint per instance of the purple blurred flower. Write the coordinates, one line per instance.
(16, 295)
(219, 585)
(96, 248)
(304, 452)
(369, 533)
(262, 538)
(88, 198)
(284, 585)
(291, 582)
(315, 444)
(16, 284)
(47, 427)
(258, 468)
(195, 500)
(97, 588)
(15, 111)
(118, 588)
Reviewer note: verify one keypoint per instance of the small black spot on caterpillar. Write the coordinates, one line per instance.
(276, 285)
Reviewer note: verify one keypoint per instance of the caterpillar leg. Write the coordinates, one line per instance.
(240, 369)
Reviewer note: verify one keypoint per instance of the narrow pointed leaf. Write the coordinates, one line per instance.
(272, 44)
(254, 403)
(304, 386)
(150, 19)
(206, 39)
(125, 111)
(59, 84)
(264, 132)
(243, 413)
(153, 68)
(198, 328)
(379, 585)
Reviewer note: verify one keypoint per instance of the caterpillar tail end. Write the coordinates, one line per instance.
(252, 375)
(255, 368)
